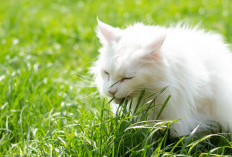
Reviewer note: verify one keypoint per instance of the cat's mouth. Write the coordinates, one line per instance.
(118, 100)
(121, 100)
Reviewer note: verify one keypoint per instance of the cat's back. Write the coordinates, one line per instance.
(198, 53)
(195, 41)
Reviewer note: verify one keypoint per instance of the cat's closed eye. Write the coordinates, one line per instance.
(106, 72)
(123, 79)
(126, 78)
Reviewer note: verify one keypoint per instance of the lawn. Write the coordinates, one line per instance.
(49, 105)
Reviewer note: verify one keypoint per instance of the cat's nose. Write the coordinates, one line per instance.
(112, 92)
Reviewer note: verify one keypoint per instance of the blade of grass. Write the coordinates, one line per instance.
(163, 106)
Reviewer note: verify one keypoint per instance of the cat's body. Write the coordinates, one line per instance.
(195, 66)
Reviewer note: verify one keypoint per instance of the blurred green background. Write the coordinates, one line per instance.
(47, 99)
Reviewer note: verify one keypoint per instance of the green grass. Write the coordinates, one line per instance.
(48, 104)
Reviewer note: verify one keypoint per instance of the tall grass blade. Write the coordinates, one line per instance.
(163, 106)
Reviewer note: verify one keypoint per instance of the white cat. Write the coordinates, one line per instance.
(194, 65)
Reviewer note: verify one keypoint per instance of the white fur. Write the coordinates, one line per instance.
(194, 64)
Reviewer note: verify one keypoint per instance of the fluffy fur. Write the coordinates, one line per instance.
(195, 65)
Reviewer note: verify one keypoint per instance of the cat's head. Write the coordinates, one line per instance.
(130, 59)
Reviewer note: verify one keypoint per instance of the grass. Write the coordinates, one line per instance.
(48, 105)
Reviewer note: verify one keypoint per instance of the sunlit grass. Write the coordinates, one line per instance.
(48, 103)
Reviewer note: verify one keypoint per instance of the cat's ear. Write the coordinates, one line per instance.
(107, 33)
(153, 49)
